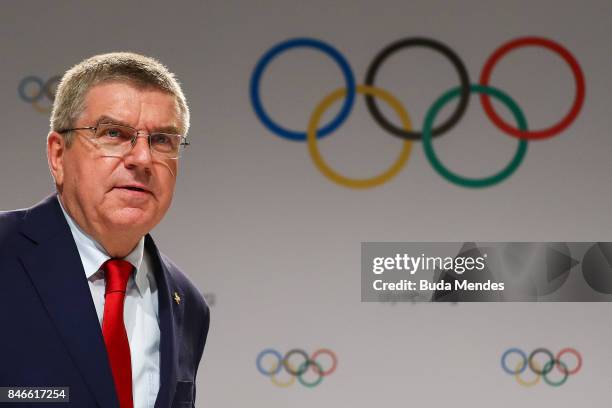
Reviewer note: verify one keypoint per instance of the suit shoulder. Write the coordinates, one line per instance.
(10, 223)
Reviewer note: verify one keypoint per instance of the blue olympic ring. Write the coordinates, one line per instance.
(22, 86)
(262, 355)
(282, 47)
(503, 361)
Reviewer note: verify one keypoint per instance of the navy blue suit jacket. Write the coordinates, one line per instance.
(49, 331)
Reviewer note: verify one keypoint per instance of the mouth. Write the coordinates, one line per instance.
(133, 189)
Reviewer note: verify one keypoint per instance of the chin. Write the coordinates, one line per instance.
(133, 219)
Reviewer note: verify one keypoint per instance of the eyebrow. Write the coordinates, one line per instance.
(110, 120)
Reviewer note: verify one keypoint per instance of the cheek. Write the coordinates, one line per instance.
(167, 181)
(168, 190)
(89, 178)
(73, 176)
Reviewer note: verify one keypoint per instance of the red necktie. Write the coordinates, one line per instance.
(116, 274)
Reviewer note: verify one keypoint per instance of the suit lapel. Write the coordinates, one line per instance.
(169, 318)
(56, 270)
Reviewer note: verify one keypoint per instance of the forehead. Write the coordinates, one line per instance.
(142, 108)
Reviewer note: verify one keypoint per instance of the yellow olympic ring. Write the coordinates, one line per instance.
(523, 382)
(282, 384)
(339, 178)
(39, 108)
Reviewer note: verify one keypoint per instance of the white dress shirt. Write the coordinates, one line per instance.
(140, 311)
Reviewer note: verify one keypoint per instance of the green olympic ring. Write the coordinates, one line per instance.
(454, 177)
(302, 369)
(548, 368)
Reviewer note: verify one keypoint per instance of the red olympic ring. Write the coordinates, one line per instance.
(563, 53)
(330, 370)
(575, 353)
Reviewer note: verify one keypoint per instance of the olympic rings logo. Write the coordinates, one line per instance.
(33, 89)
(430, 128)
(296, 370)
(541, 370)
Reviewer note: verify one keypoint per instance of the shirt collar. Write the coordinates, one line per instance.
(93, 255)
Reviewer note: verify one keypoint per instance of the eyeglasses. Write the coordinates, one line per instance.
(117, 140)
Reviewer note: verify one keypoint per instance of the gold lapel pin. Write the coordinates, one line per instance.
(177, 298)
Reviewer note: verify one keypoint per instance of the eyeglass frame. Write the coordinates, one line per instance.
(183, 142)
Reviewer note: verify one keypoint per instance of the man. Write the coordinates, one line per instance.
(86, 299)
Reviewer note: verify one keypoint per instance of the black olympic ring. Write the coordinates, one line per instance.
(464, 96)
(302, 368)
(547, 368)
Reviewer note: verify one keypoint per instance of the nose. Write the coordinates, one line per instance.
(140, 154)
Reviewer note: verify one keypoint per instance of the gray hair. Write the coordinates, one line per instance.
(127, 67)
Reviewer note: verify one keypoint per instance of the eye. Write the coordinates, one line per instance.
(115, 134)
(161, 139)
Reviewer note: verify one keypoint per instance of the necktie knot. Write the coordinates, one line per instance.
(116, 275)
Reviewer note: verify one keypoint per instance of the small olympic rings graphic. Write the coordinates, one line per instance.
(430, 128)
(539, 370)
(296, 370)
(32, 90)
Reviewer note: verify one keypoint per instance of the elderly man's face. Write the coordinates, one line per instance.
(119, 195)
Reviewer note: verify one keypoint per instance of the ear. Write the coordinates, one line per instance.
(56, 149)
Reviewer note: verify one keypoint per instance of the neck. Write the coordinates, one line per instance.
(118, 247)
